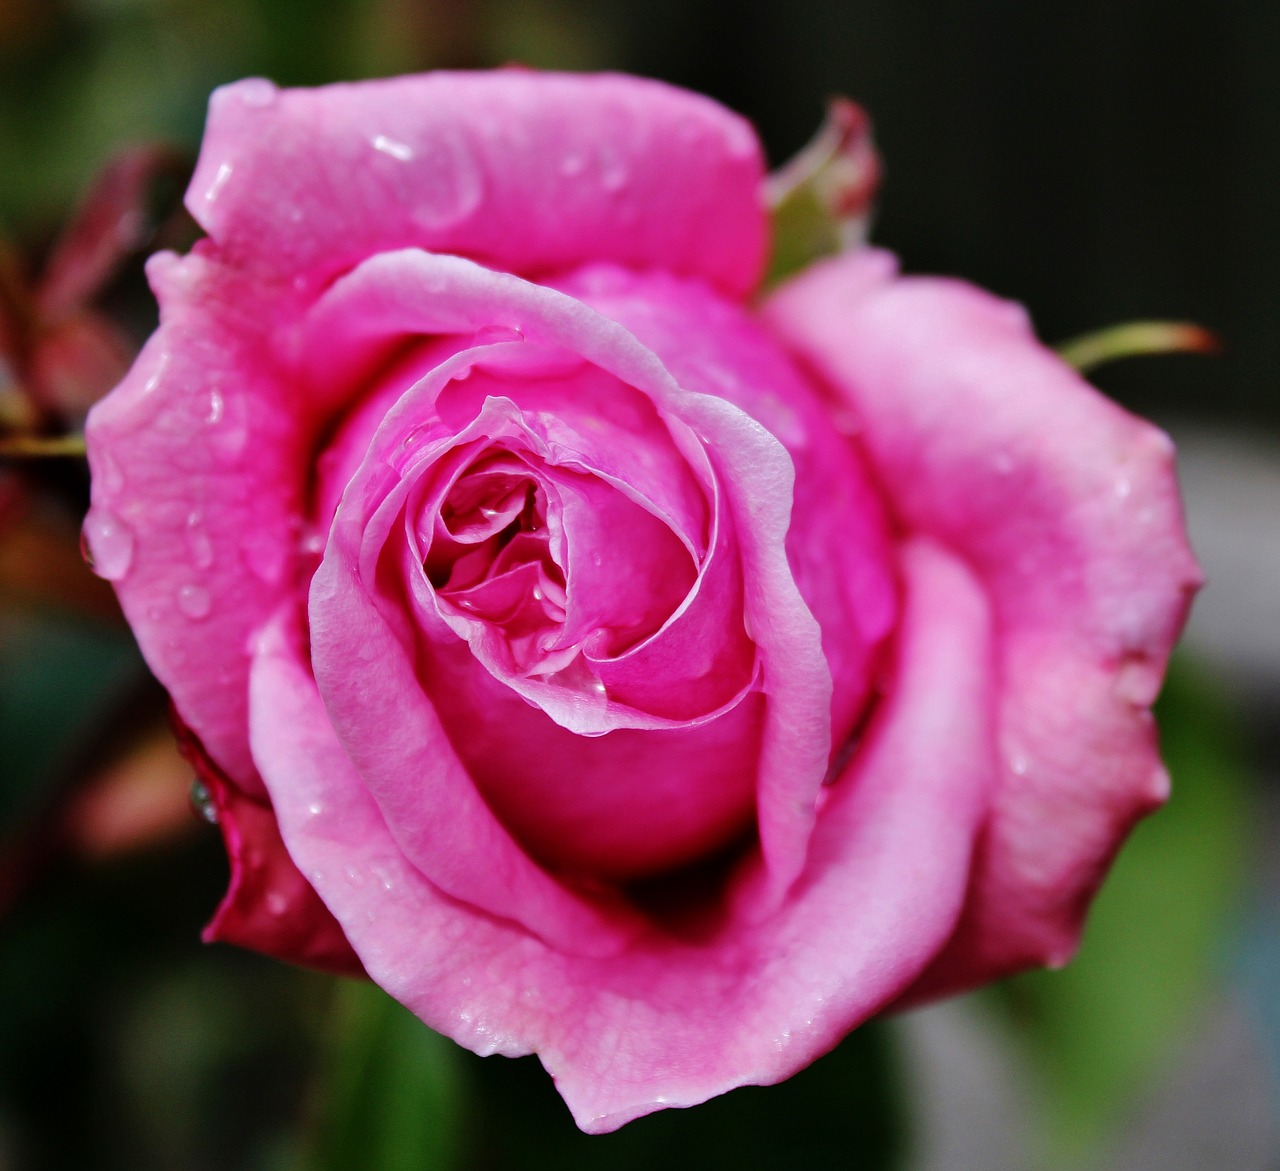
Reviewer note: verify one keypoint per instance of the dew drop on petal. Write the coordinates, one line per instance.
(277, 904)
(489, 335)
(257, 92)
(390, 146)
(264, 557)
(198, 543)
(1137, 679)
(107, 544)
(229, 431)
(202, 801)
(153, 379)
(219, 182)
(194, 601)
(312, 542)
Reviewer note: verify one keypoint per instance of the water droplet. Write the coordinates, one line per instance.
(1018, 765)
(1123, 488)
(389, 146)
(107, 543)
(312, 542)
(277, 904)
(202, 801)
(490, 335)
(198, 543)
(354, 877)
(194, 601)
(257, 92)
(219, 182)
(228, 430)
(315, 809)
(614, 172)
(153, 379)
(264, 557)
(1137, 679)
(450, 186)
(1003, 463)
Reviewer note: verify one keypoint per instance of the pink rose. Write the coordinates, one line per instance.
(640, 677)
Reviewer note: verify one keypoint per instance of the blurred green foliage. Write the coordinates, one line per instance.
(399, 1098)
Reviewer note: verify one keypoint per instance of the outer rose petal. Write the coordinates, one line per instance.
(669, 1022)
(526, 171)
(198, 483)
(1068, 510)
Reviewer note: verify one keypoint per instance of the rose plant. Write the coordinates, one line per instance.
(608, 666)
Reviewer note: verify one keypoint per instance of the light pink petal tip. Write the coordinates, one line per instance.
(527, 171)
(1068, 510)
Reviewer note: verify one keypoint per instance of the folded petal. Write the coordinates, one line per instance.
(409, 293)
(1068, 510)
(525, 171)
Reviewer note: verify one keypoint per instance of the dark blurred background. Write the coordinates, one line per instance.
(1101, 162)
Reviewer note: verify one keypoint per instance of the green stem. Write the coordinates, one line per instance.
(1133, 339)
(38, 447)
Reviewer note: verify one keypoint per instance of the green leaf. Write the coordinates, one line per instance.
(1099, 1029)
(821, 200)
(59, 680)
(393, 1098)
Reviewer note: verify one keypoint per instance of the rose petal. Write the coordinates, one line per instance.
(1067, 508)
(837, 541)
(526, 171)
(416, 293)
(393, 734)
(629, 1034)
(197, 488)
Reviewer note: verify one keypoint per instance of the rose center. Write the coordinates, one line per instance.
(490, 557)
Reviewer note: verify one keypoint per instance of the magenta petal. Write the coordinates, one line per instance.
(630, 1034)
(1068, 510)
(528, 171)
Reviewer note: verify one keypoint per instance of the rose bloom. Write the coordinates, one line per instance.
(610, 666)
